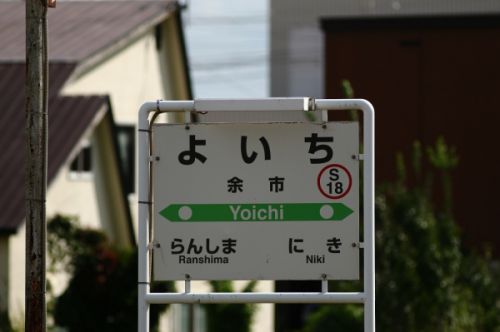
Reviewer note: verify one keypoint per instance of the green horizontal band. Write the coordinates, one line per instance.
(273, 212)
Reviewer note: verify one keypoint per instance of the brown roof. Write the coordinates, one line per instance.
(79, 30)
(69, 118)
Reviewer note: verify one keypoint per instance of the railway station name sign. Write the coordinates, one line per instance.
(273, 201)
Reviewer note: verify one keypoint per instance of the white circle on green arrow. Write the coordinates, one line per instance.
(185, 213)
(326, 211)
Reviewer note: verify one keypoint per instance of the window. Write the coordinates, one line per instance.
(82, 164)
(126, 153)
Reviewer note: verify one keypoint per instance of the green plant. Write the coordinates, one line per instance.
(5, 322)
(418, 257)
(348, 92)
(336, 318)
(444, 159)
(11, 324)
(229, 317)
(102, 291)
(425, 280)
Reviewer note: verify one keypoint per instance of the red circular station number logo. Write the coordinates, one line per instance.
(334, 181)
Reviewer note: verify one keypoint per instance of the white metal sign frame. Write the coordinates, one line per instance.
(365, 297)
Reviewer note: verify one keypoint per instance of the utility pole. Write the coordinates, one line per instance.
(36, 162)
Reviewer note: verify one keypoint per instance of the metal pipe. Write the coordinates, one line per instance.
(369, 213)
(368, 196)
(343, 104)
(142, 218)
(142, 191)
(255, 298)
(174, 105)
(324, 286)
(248, 105)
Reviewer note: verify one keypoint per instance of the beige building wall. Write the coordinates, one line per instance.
(74, 194)
(16, 274)
(137, 73)
(93, 197)
(130, 78)
(264, 314)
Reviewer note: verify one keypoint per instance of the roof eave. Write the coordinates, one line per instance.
(109, 51)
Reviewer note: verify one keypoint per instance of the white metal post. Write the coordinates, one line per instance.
(367, 297)
(369, 214)
(368, 197)
(143, 200)
(142, 218)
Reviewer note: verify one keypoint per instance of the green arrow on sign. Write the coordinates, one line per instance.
(273, 212)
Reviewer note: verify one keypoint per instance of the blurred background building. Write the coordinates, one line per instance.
(105, 59)
(430, 68)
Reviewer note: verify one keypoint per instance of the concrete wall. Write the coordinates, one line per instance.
(297, 62)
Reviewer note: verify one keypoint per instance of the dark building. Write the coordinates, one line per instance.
(429, 76)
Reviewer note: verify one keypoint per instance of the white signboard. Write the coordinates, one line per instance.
(276, 201)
